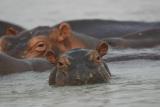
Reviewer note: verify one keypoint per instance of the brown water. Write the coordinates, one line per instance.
(135, 83)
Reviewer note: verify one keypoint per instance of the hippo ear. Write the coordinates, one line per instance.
(10, 31)
(65, 29)
(61, 32)
(51, 56)
(102, 48)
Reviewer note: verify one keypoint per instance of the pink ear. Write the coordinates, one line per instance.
(65, 29)
(51, 56)
(102, 48)
(10, 31)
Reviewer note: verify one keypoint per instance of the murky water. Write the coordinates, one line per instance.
(134, 83)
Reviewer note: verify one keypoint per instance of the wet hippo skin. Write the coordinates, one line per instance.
(120, 34)
(9, 65)
(81, 66)
(99, 28)
(145, 39)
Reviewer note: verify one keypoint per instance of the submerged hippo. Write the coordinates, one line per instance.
(100, 29)
(9, 65)
(145, 39)
(7, 28)
(81, 66)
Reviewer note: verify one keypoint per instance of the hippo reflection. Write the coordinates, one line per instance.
(81, 66)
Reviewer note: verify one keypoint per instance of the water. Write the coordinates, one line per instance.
(134, 83)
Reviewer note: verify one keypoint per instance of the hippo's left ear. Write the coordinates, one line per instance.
(102, 48)
(51, 57)
(10, 31)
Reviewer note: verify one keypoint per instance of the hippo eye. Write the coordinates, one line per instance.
(60, 64)
(98, 58)
(40, 45)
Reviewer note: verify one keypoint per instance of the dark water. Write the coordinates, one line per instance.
(135, 83)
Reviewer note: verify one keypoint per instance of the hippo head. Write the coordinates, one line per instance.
(28, 44)
(81, 66)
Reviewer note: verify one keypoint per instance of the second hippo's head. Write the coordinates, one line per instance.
(81, 66)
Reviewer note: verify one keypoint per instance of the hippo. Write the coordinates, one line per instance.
(10, 65)
(62, 38)
(17, 46)
(81, 66)
(144, 39)
(37, 42)
(101, 29)
(65, 38)
(7, 28)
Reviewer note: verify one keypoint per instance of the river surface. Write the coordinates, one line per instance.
(135, 83)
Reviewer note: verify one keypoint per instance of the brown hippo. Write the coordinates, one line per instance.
(7, 28)
(9, 65)
(145, 39)
(81, 66)
(37, 42)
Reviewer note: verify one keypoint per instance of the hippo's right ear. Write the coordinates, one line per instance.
(51, 57)
(61, 32)
(64, 28)
(102, 48)
(10, 31)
